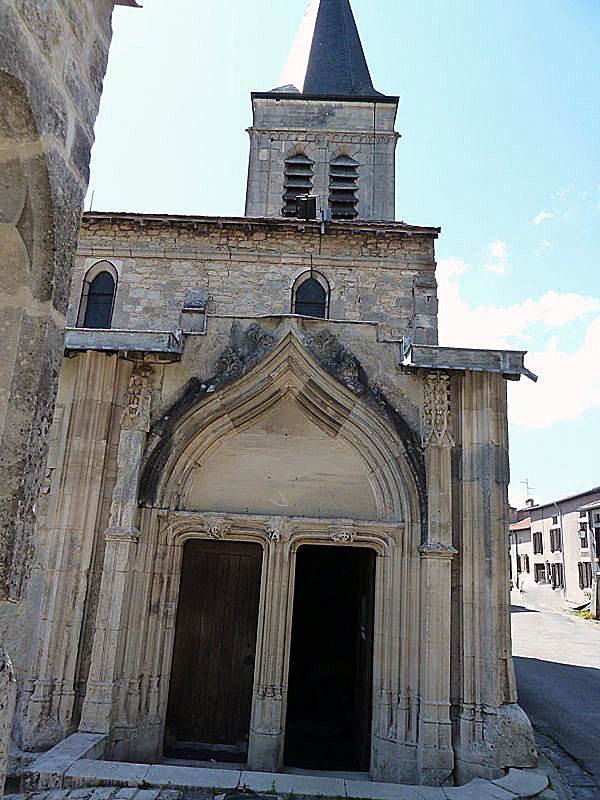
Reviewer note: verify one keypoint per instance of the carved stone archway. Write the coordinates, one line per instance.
(142, 566)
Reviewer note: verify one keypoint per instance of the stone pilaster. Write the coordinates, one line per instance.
(70, 535)
(492, 732)
(435, 753)
(121, 548)
(269, 707)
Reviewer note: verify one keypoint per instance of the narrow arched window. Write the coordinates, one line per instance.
(98, 297)
(311, 296)
(343, 187)
(297, 180)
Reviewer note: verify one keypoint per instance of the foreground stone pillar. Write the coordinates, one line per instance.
(435, 754)
(119, 557)
(52, 63)
(8, 695)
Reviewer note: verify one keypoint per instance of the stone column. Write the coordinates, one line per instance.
(435, 754)
(121, 549)
(267, 727)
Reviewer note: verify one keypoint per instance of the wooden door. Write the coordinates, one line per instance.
(210, 697)
(364, 659)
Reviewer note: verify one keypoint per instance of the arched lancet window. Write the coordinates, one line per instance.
(297, 180)
(343, 187)
(310, 297)
(98, 296)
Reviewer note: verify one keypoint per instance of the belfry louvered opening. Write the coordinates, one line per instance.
(297, 180)
(343, 187)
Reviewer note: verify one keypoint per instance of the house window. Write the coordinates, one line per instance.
(538, 545)
(585, 574)
(596, 519)
(526, 563)
(98, 296)
(582, 514)
(557, 576)
(297, 180)
(343, 187)
(310, 295)
(555, 520)
(583, 536)
(540, 573)
(555, 540)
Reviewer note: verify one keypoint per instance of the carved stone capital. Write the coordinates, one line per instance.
(274, 692)
(437, 550)
(279, 529)
(342, 534)
(217, 527)
(436, 419)
(138, 400)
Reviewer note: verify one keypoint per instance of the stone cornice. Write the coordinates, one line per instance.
(390, 227)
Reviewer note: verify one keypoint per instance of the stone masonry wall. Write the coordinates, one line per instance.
(322, 130)
(381, 274)
(53, 56)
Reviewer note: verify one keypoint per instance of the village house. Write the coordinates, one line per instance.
(556, 543)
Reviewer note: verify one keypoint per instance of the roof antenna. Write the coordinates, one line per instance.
(530, 490)
(91, 200)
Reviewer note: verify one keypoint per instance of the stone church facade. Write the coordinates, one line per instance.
(273, 524)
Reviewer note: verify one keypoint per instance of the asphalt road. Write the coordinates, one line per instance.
(557, 663)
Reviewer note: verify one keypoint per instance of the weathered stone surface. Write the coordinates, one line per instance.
(8, 695)
(41, 105)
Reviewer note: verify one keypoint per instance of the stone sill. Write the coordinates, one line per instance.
(72, 764)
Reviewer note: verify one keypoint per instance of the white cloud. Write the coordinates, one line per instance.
(498, 258)
(543, 215)
(542, 247)
(569, 381)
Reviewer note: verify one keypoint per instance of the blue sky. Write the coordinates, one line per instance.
(500, 124)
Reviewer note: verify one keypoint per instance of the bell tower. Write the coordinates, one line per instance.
(325, 130)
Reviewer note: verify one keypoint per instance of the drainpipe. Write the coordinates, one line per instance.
(595, 555)
(562, 549)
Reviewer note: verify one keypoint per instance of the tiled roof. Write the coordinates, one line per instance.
(522, 525)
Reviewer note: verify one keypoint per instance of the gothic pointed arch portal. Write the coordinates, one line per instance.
(283, 455)
(287, 439)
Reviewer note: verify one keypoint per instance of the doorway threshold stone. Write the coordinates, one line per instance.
(77, 762)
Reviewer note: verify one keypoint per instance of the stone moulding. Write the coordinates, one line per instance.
(183, 525)
(437, 550)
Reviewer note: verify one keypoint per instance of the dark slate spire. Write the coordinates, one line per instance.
(327, 57)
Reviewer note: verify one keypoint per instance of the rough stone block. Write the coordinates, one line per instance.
(524, 783)
(188, 777)
(85, 772)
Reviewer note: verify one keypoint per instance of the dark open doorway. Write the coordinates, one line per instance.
(328, 724)
(210, 698)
